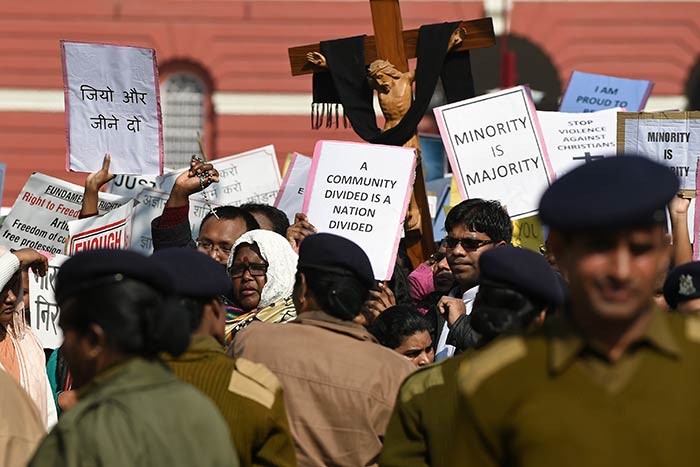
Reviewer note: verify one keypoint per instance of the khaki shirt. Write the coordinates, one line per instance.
(551, 399)
(422, 425)
(339, 385)
(138, 414)
(21, 427)
(249, 397)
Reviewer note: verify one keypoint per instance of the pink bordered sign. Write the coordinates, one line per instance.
(290, 198)
(112, 99)
(496, 149)
(696, 215)
(361, 191)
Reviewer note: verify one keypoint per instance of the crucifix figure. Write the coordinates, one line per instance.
(387, 54)
(587, 157)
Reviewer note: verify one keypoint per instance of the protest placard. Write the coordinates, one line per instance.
(151, 204)
(290, 198)
(43, 309)
(112, 105)
(573, 139)
(527, 233)
(588, 92)
(496, 149)
(361, 192)
(433, 156)
(441, 188)
(111, 230)
(3, 169)
(39, 218)
(249, 177)
(131, 185)
(671, 138)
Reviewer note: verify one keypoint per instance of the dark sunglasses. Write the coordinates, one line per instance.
(255, 270)
(469, 244)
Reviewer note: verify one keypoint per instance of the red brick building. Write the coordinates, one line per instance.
(224, 66)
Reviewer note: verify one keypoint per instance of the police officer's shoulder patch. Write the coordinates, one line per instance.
(254, 381)
(489, 361)
(692, 328)
(420, 381)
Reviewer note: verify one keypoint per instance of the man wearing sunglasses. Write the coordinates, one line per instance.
(473, 226)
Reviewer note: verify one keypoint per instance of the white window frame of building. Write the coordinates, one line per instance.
(183, 100)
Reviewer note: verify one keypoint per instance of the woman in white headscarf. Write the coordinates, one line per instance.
(21, 354)
(262, 266)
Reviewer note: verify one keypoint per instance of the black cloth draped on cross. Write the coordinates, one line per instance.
(346, 84)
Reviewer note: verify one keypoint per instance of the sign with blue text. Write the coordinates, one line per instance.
(588, 92)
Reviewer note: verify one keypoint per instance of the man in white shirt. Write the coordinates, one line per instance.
(473, 226)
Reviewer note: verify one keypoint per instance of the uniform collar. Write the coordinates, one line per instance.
(198, 348)
(133, 374)
(322, 319)
(566, 343)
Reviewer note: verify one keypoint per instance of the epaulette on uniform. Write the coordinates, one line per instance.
(422, 380)
(254, 381)
(489, 361)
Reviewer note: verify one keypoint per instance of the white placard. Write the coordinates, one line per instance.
(131, 185)
(39, 218)
(43, 309)
(670, 138)
(151, 204)
(361, 192)
(110, 230)
(495, 145)
(573, 139)
(112, 105)
(290, 198)
(249, 177)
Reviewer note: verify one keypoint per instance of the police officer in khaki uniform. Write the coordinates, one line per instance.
(517, 287)
(247, 394)
(117, 316)
(615, 381)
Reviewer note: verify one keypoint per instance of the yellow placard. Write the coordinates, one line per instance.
(527, 233)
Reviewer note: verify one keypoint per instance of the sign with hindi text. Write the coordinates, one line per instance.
(111, 230)
(496, 149)
(112, 105)
(361, 191)
(249, 177)
(39, 218)
(588, 92)
(290, 198)
(670, 138)
(573, 139)
(43, 308)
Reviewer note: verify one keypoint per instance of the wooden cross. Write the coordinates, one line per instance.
(390, 42)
